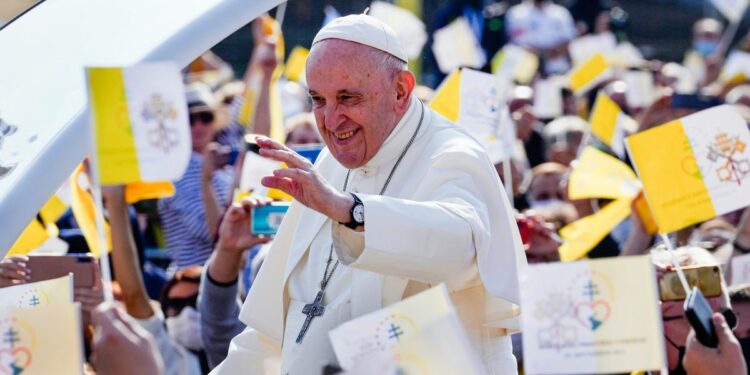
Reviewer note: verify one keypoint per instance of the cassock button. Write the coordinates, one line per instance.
(363, 171)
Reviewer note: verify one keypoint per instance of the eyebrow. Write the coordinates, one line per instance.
(342, 91)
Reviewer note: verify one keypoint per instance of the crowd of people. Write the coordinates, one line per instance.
(180, 316)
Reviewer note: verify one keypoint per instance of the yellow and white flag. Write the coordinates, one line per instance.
(515, 63)
(694, 168)
(610, 124)
(83, 207)
(140, 122)
(474, 101)
(592, 317)
(49, 292)
(419, 335)
(589, 74)
(584, 234)
(597, 174)
(41, 341)
(295, 65)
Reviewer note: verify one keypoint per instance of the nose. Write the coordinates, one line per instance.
(332, 117)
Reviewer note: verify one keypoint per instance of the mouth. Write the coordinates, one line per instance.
(342, 137)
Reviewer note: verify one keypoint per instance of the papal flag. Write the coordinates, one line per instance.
(514, 63)
(594, 71)
(140, 122)
(597, 174)
(610, 124)
(694, 168)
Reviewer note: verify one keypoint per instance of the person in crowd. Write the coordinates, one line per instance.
(545, 28)
(676, 325)
(563, 137)
(190, 218)
(701, 59)
(739, 295)
(173, 341)
(218, 298)
(442, 189)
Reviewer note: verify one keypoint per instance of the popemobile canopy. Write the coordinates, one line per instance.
(44, 121)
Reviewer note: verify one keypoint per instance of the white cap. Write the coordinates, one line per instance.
(199, 97)
(364, 29)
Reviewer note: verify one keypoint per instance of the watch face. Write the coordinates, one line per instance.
(359, 213)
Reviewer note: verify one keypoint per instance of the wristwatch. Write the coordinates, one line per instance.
(356, 214)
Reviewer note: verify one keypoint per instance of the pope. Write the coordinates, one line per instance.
(399, 201)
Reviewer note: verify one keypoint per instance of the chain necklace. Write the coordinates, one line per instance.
(316, 308)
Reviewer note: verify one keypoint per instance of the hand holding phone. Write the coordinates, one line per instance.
(84, 267)
(698, 313)
(266, 220)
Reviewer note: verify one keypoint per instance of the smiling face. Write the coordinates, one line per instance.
(358, 94)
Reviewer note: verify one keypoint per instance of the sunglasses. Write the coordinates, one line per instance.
(204, 117)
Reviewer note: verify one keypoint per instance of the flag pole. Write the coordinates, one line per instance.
(96, 192)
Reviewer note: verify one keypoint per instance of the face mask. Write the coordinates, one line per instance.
(546, 204)
(557, 65)
(185, 328)
(705, 47)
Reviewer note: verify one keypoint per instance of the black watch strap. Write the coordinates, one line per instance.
(353, 224)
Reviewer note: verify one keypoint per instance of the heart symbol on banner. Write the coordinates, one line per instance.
(592, 314)
(13, 362)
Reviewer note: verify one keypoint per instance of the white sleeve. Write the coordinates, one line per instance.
(251, 352)
(429, 239)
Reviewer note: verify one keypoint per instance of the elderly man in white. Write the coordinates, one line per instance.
(401, 200)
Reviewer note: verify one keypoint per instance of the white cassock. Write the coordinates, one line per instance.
(444, 218)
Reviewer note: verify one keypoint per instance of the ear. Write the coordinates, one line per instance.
(405, 82)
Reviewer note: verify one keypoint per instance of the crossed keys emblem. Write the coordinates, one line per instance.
(725, 150)
(162, 112)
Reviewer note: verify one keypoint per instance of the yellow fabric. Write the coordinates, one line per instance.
(447, 98)
(604, 118)
(32, 237)
(524, 70)
(582, 235)
(295, 66)
(597, 174)
(83, 208)
(138, 191)
(53, 209)
(669, 174)
(587, 74)
(272, 29)
(115, 145)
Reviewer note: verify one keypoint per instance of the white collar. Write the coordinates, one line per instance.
(399, 137)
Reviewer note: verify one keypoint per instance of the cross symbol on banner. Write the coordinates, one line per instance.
(11, 337)
(590, 290)
(34, 301)
(395, 332)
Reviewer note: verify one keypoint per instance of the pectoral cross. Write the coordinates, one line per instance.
(316, 308)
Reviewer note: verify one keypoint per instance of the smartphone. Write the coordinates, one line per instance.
(84, 267)
(705, 278)
(266, 220)
(698, 313)
(695, 101)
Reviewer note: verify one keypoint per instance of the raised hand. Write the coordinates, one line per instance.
(302, 181)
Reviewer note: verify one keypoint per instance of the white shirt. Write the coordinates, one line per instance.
(539, 27)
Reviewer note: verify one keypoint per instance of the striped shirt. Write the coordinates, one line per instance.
(183, 216)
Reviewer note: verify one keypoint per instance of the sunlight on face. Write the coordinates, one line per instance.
(354, 100)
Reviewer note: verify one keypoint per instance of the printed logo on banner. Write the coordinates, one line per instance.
(587, 305)
(163, 113)
(17, 346)
(727, 154)
(392, 328)
(33, 298)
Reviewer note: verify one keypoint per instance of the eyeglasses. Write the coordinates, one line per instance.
(204, 117)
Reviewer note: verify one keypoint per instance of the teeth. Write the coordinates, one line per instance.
(346, 135)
